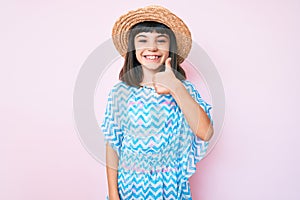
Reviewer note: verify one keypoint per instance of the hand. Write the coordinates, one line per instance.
(164, 81)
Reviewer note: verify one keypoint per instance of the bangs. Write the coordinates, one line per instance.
(149, 27)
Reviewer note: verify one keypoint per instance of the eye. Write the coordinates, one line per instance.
(142, 41)
(161, 41)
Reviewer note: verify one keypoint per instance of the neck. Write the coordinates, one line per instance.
(148, 75)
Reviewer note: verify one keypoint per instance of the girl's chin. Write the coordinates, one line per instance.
(154, 67)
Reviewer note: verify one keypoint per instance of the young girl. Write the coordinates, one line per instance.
(156, 125)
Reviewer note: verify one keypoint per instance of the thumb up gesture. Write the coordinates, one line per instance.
(163, 81)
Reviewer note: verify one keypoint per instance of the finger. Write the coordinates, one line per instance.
(168, 64)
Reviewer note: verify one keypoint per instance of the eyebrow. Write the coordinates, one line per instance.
(161, 35)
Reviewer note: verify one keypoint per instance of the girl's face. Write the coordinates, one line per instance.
(152, 49)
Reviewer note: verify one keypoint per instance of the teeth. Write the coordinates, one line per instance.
(152, 57)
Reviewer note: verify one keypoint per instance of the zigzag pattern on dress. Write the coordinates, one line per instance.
(157, 149)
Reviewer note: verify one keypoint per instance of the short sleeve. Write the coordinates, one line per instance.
(111, 125)
(193, 149)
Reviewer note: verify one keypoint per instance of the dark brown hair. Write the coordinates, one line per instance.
(132, 72)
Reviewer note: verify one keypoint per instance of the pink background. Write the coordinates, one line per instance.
(254, 45)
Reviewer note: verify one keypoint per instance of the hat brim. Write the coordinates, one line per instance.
(152, 13)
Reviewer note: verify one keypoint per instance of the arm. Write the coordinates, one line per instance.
(194, 114)
(112, 172)
(166, 83)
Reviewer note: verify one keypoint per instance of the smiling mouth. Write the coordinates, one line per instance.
(152, 57)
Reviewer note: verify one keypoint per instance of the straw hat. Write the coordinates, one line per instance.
(152, 13)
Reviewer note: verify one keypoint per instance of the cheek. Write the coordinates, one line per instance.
(136, 47)
(138, 55)
(138, 52)
(139, 46)
(166, 46)
(166, 53)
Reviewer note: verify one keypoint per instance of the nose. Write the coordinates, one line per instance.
(152, 46)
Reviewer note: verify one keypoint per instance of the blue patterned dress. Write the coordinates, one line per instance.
(157, 149)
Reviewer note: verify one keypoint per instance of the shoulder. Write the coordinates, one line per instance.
(119, 85)
(188, 85)
(120, 88)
